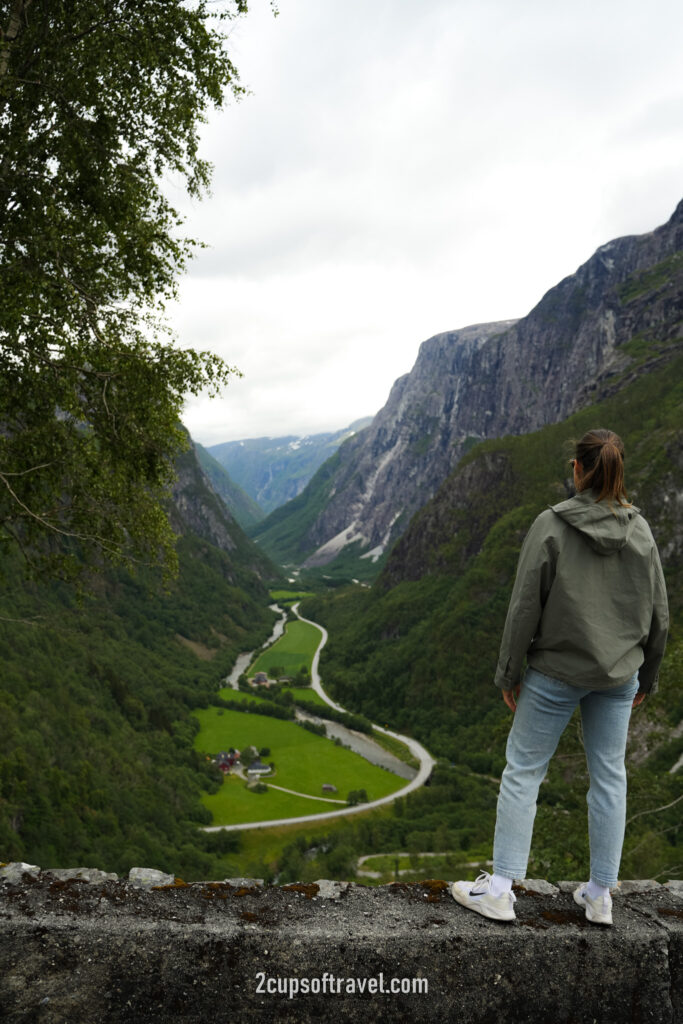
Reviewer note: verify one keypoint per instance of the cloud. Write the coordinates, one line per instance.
(402, 169)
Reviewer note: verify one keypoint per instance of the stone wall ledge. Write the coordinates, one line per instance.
(84, 947)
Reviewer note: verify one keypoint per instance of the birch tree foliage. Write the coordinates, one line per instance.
(100, 101)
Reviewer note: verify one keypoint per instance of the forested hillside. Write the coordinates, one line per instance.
(419, 649)
(96, 758)
(245, 510)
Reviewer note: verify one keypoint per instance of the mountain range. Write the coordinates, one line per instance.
(433, 499)
(273, 470)
(616, 317)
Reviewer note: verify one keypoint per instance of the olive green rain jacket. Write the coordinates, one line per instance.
(589, 602)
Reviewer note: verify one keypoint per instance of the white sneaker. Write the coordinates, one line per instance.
(599, 910)
(477, 896)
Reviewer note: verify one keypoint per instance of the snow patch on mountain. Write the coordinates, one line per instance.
(376, 553)
(331, 548)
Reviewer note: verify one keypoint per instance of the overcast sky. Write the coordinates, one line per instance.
(402, 169)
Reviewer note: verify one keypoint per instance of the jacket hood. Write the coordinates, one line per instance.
(606, 528)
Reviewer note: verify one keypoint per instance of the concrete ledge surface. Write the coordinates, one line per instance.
(81, 948)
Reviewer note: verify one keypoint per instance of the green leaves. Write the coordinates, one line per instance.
(98, 101)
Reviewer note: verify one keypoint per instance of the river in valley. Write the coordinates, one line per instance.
(244, 660)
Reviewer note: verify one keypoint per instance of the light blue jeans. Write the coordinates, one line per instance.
(544, 708)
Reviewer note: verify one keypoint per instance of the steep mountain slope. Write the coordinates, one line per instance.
(618, 315)
(198, 511)
(419, 649)
(96, 758)
(243, 508)
(273, 470)
(425, 637)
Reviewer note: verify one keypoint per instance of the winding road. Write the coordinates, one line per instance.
(416, 749)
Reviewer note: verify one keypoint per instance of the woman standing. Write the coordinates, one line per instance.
(589, 614)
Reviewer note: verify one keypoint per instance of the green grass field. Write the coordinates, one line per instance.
(306, 693)
(302, 760)
(233, 803)
(291, 651)
(227, 693)
(288, 597)
(268, 844)
(260, 849)
(298, 693)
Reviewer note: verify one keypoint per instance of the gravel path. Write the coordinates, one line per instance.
(307, 796)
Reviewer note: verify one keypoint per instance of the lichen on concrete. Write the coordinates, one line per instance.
(89, 950)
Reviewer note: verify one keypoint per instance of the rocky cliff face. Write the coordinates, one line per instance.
(241, 506)
(487, 484)
(502, 476)
(197, 509)
(391, 469)
(620, 314)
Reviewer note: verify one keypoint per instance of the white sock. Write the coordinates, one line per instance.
(594, 890)
(499, 884)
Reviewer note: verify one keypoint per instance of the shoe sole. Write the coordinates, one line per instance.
(590, 913)
(478, 907)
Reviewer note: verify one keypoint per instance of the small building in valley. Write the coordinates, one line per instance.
(227, 759)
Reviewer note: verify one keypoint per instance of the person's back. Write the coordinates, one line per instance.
(596, 623)
(588, 614)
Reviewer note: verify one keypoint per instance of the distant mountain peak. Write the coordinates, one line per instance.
(619, 313)
(273, 470)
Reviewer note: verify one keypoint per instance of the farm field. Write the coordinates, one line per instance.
(260, 849)
(303, 761)
(289, 597)
(233, 804)
(306, 693)
(239, 696)
(291, 651)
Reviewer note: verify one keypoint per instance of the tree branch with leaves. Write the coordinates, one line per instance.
(99, 99)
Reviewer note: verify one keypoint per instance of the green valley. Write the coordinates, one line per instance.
(303, 761)
(291, 652)
(154, 592)
(427, 634)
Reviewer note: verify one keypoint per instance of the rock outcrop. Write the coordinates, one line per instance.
(620, 314)
(196, 508)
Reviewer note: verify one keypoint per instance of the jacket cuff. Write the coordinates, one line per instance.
(503, 677)
(647, 683)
